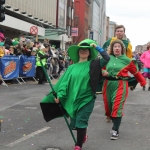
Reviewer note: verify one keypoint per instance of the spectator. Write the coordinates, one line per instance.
(41, 55)
(137, 57)
(2, 37)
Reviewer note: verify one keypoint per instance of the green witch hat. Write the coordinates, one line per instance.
(73, 50)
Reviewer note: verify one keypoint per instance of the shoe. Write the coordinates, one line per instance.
(111, 131)
(143, 88)
(115, 135)
(108, 119)
(85, 138)
(149, 88)
(132, 88)
(77, 148)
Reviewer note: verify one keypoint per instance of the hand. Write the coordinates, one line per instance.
(98, 48)
(105, 73)
(93, 45)
(56, 100)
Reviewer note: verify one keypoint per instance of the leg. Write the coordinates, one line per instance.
(108, 119)
(40, 74)
(107, 102)
(81, 132)
(144, 86)
(81, 123)
(149, 79)
(115, 129)
(149, 85)
(118, 99)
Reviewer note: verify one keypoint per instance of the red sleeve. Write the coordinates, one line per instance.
(133, 70)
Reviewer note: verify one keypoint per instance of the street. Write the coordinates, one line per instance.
(23, 126)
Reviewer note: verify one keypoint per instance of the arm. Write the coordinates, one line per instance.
(105, 56)
(61, 86)
(129, 51)
(103, 53)
(42, 56)
(133, 69)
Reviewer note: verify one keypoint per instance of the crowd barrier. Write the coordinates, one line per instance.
(15, 67)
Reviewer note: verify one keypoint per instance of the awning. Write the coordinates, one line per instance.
(50, 30)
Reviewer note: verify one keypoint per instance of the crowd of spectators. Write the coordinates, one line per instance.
(57, 60)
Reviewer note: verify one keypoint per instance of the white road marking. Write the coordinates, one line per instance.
(52, 149)
(27, 137)
(25, 100)
(31, 107)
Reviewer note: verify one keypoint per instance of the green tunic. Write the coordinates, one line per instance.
(80, 94)
(77, 79)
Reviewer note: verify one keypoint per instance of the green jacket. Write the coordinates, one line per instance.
(41, 55)
(126, 43)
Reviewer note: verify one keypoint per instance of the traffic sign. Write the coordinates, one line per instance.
(34, 30)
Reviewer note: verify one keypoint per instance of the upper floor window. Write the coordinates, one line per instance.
(62, 1)
(72, 14)
(69, 12)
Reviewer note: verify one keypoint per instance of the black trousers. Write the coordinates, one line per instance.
(40, 74)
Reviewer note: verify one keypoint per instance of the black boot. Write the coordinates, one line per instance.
(149, 88)
(143, 88)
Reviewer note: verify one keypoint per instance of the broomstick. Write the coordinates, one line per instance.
(55, 95)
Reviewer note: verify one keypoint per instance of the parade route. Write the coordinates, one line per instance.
(24, 128)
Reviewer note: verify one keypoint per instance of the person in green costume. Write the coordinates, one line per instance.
(115, 87)
(77, 87)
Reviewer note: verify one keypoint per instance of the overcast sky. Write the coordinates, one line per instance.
(134, 15)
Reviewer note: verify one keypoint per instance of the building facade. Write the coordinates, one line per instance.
(107, 28)
(81, 16)
(140, 48)
(69, 21)
(49, 16)
(103, 21)
(97, 21)
(112, 26)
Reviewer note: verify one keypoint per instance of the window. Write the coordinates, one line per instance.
(69, 12)
(68, 31)
(72, 14)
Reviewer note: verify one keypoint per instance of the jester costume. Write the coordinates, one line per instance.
(115, 87)
(132, 82)
(127, 44)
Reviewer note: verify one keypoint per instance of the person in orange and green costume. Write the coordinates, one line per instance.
(76, 88)
(120, 32)
(115, 87)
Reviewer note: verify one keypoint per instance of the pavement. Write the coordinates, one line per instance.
(24, 128)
